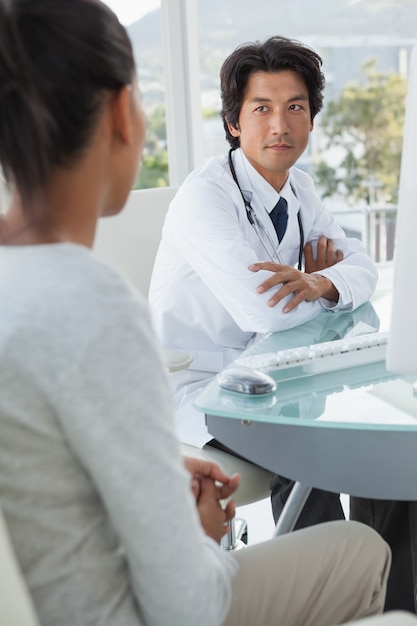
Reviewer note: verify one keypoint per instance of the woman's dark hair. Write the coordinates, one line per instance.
(273, 55)
(58, 60)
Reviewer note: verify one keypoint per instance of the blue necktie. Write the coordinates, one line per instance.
(279, 217)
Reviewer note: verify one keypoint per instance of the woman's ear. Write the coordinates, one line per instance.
(121, 110)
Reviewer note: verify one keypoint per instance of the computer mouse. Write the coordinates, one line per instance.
(246, 380)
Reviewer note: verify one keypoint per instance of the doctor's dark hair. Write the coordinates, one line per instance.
(59, 61)
(273, 55)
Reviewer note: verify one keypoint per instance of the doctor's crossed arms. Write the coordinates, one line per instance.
(305, 285)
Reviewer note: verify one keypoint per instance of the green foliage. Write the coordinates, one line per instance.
(211, 113)
(365, 123)
(154, 168)
(156, 123)
(154, 172)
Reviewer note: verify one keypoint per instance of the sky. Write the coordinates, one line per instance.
(129, 11)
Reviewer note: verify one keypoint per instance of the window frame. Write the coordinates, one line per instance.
(184, 122)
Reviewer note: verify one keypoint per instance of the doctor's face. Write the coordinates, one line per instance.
(274, 123)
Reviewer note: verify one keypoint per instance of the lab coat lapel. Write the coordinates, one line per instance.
(259, 193)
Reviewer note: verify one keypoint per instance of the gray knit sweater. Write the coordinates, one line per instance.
(91, 480)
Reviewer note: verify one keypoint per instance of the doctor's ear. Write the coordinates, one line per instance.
(233, 130)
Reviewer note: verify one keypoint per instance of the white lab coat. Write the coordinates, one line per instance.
(203, 297)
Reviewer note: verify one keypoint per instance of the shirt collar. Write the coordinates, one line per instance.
(253, 183)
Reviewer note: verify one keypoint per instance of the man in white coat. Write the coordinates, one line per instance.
(224, 272)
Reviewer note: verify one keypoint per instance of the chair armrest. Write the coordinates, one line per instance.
(391, 618)
(175, 360)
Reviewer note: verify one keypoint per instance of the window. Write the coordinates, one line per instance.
(181, 44)
(365, 46)
(143, 23)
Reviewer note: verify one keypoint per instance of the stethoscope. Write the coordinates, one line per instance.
(258, 226)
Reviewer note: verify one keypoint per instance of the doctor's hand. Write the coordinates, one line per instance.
(326, 256)
(309, 287)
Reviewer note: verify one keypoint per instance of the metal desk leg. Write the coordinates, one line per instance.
(292, 509)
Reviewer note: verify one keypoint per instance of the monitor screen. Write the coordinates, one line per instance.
(402, 342)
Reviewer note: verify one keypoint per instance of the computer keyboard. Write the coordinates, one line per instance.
(323, 357)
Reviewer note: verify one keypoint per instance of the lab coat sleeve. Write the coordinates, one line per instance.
(354, 277)
(207, 223)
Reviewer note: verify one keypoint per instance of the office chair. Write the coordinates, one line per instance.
(130, 241)
(16, 607)
(391, 618)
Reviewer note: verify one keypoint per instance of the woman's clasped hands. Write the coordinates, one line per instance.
(212, 489)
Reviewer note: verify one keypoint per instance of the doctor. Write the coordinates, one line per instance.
(224, 274)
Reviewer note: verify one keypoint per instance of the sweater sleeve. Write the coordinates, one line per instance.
(356, 275)
(116, 411)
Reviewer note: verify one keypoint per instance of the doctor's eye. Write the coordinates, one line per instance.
(296, 107)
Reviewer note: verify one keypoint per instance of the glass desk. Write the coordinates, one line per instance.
(350, 431)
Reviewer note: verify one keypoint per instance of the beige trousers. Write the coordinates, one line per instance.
(327, 574)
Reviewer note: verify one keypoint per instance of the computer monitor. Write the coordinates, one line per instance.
(402, 341)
